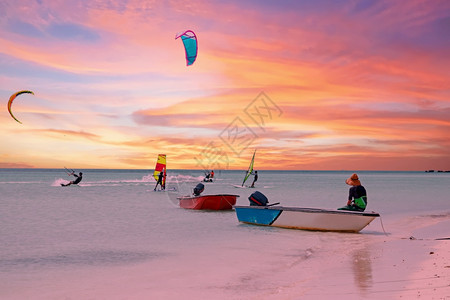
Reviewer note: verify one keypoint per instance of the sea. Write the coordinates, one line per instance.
(114, 237)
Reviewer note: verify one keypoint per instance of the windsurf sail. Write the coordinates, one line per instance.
(250, 169)
(160, 167)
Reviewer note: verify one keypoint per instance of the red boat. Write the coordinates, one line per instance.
(212, 202)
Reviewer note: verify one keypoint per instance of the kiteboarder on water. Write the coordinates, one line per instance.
(160, 181)
(77, 180)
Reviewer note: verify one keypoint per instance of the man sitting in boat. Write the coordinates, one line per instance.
(357, 197)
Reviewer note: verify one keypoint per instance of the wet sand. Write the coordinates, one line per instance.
(413, 263)
(408, 262)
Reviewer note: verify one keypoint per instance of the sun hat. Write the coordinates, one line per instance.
(353, 180)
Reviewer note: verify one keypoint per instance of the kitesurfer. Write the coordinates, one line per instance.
(160, 181)
(357, 197)
(77, 180)
(254, 179)
(212, 174)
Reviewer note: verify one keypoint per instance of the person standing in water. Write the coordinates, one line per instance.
(77, 180)
(254, 179)
(160, 181)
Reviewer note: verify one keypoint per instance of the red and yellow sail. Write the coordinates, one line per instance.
(160, 167)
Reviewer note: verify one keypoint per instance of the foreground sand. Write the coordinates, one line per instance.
(408, 262)
(430, 279)
(411, 263)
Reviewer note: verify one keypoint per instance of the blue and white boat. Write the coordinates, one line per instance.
(305, 218)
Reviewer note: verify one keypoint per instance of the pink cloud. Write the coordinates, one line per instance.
(6, 165)
(366, 81)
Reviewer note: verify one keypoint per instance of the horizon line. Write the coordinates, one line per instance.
(296, 170)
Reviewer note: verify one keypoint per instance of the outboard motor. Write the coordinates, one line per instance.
(258, 199)
(199, 189)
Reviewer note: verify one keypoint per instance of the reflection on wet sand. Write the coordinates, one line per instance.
(362, 270)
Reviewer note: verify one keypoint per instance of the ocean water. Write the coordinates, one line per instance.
(113, 237)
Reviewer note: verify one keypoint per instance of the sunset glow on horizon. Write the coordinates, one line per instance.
(312, 85)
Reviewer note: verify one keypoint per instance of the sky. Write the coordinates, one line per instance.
(308, 85)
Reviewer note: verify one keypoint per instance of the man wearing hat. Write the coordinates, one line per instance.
(357, 197)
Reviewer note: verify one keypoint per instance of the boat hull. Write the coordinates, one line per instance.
(210, 202)
(305, 218)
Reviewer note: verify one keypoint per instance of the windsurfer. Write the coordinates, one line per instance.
(254, 179)
(357, 198)
(250, 171)
(160, 181)
(77, 180)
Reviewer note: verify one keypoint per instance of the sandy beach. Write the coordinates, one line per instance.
(411, 264)
(430, 245)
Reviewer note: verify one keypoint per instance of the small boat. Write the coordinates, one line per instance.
(211, 202)
(305, 218)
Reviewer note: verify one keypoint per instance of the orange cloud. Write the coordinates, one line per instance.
(359, 85)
